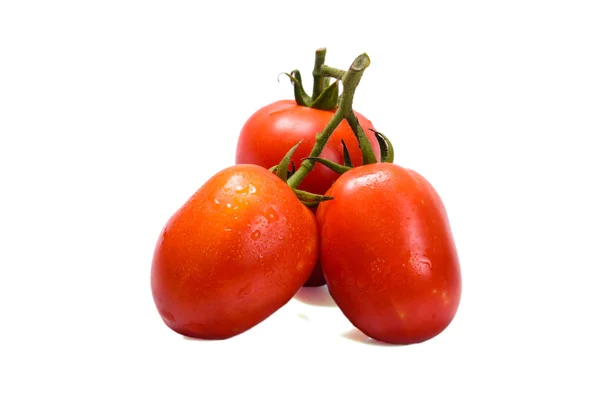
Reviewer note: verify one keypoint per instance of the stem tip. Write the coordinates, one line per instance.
(361, 63)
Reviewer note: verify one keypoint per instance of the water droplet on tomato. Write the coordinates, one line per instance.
(244, 190)
(280, 237)
(228, 205)
(421, 265)
(271, 215)
(216, 201)
(255, 236)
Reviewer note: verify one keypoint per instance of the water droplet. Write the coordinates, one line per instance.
(228, 205)
(216, 201)
(422, 265)
(271, 215)
(280, 237)
(244, 190)
(227, 230)
(261, 256)
(255, 236)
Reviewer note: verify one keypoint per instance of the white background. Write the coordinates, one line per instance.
(113, 113)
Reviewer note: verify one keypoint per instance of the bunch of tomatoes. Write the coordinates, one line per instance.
(314, 198)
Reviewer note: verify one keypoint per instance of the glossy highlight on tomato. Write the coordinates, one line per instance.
(234, 253)
(388, 254)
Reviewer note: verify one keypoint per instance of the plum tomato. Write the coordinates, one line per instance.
(233, 254)
(388, 254)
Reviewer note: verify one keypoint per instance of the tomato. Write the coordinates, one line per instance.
(388, 254)
(234, 253)
(272, 130)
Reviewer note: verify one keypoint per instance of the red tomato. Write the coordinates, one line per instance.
(270, 132)
(388, 254)
(234, 253)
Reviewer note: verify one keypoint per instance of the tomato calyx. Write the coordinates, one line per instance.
(310, 200)
(332, 165)
(326, 100)
(385, 146)
(325, 95)
(347, 159)
(386, 152)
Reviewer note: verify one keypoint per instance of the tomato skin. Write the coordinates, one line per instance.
(274, 129)
(234, 253)
(388, 254)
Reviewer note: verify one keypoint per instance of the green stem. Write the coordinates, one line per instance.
(350, 81)
(364, 144)
(319, 81)
(332, 72)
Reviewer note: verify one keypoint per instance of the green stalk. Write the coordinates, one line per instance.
(319, 80)
(333, 72)
(350, 80)
(363, 142)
